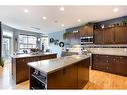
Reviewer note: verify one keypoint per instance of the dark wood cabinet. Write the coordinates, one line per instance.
(100, 62)
(110, 63)
(104, 36)
(108, 36)
(98, 36)
(120, 35)
(83, 77)
(20, 70)
(123, 65)
(72, 36)
(71, 77)
(111, 35)
(64, 78)
(114, 65)
(86, 30)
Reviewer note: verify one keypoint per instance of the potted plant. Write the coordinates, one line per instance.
(1, 62)
(124, 22)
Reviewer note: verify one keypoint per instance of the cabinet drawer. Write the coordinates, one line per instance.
(110, 63)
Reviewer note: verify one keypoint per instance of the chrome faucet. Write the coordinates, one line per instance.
(84, 51)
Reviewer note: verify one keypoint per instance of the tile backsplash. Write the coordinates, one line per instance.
(116, 51)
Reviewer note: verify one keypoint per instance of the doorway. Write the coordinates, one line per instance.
(6, 51)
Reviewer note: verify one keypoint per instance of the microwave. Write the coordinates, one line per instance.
(86, 40)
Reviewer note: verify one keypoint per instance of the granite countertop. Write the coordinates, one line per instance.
(51, 65)
(30, 55)
(111, 53)
(115, 54)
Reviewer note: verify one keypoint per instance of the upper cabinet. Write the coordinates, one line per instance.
(86, 30)
(121, 35)
(112, 35)
(98, 36)
(108, 36)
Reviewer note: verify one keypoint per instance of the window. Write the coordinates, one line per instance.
(27, 41)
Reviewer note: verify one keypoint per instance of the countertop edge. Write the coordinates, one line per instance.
(33, 55)
(57, 68)
(110, 54)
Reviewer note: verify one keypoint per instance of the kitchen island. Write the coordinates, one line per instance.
(69, 72)
(20, 70)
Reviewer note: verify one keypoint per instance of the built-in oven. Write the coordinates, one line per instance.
(86, 40)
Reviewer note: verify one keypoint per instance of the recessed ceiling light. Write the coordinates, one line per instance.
(61, 8)
(62, 25)
(26, 10)
(44, 17)
(79, 20)
(116, 10)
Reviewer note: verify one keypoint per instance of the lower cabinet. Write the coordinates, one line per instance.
(83, 73)
(110, 63)
(100, 62)
(20, 70)
(64, 78)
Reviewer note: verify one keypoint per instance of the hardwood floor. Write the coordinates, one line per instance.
(6, 81)
(106, 81)
(98, 80)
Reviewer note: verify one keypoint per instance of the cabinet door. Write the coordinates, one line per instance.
(108, 35)
(125, 34)
(65, 78)
(98, 36)
(120, 37)
(100, 62)
(82, 32)
(86, 30)
(119, 65)
(114, 65)
(83, 73)
(123, 65)
(21, 69)
(90, 30)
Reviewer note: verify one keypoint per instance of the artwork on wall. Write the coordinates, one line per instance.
(56, 42)
(61, 44)
(51, 40)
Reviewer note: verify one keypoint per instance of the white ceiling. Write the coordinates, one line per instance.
(14, 16)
